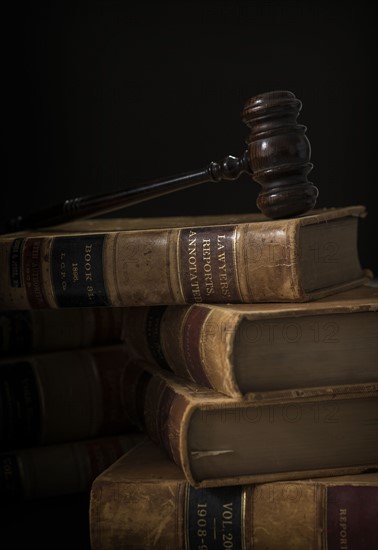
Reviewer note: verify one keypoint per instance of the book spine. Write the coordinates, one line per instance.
(158, 410)
(166, 406)
(62, 396)
(278, 516)
(195, 342)
(32, 331)
(52, 470)
(214, 264)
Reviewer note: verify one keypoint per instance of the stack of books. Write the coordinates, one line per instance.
(233, 360)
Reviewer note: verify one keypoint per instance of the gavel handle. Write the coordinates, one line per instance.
(230, 168)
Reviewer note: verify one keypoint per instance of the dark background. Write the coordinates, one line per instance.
(105, 94)
(102, 95)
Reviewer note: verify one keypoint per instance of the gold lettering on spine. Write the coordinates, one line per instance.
(193, 268)
(343, 524)
(88, 271)
(222, 266)
(34, 279)
(208, 273)
(33, 273)
(208, 264)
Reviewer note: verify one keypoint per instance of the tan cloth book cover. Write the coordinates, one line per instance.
(218, 440)
(239, 349)
(241, 260)
(144, 502)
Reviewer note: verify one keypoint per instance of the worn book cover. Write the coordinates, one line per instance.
(44, 471)
(220, 440)
(144, 501)
(46, 330)
(239, 349)
(247, 259)
(62, 396)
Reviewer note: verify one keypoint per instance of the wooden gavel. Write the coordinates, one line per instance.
(277, 158)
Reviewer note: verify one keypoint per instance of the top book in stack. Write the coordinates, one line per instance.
(243, 258)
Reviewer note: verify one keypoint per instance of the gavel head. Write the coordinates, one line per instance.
(279, 154)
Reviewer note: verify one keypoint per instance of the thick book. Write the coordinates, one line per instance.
(47, 330)
(62, 396)
(63, 469)
(234, 348)
(144, 502)
(239, 349)
(279, 435)
(168, 261)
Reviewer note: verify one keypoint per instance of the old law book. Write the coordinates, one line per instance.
(54, 470)
(144, 502)
(46, 330)
(245, 348)
(163, 261)
(235, 349)
(278, 435)
(62, 396)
